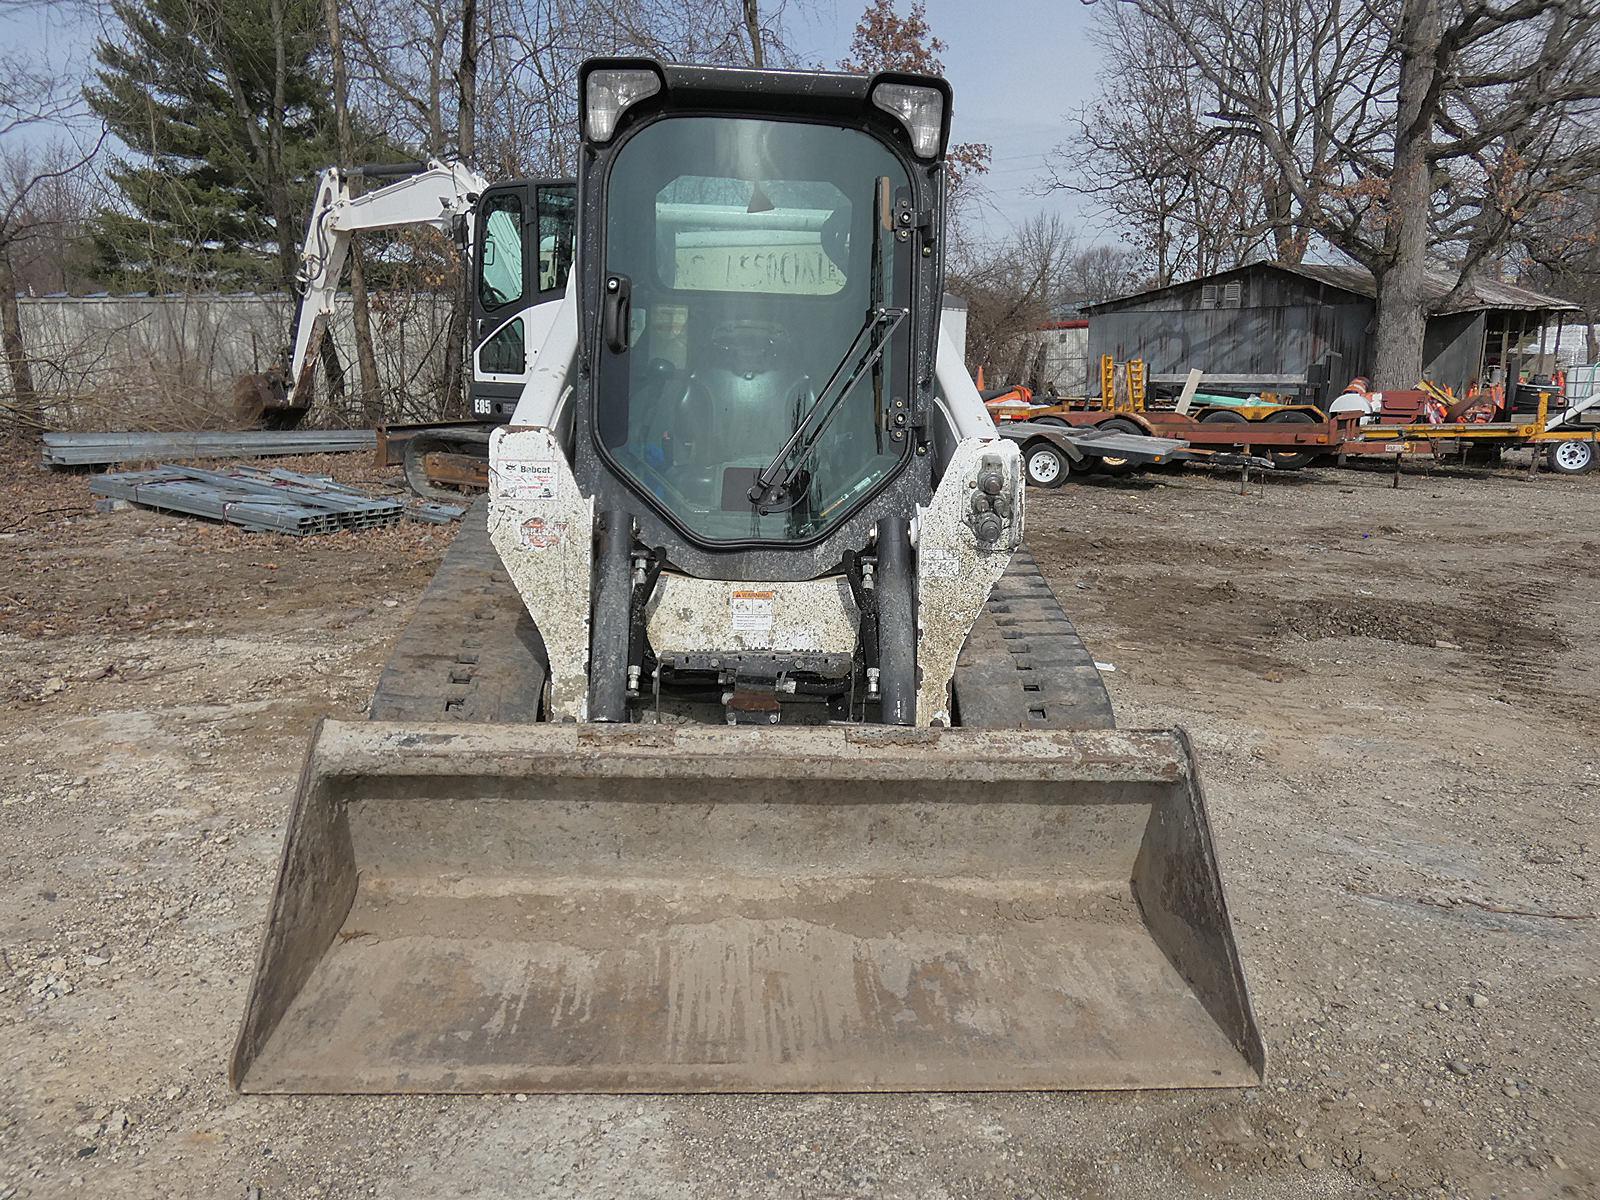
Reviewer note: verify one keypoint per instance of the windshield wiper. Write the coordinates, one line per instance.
(771, 490)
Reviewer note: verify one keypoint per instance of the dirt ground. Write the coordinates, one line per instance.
(1392, 696)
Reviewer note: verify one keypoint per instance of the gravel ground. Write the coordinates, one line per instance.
(1391, 695)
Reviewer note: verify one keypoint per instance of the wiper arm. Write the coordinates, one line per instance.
(770, 492)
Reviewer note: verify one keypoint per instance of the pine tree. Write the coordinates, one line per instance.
(222, 106)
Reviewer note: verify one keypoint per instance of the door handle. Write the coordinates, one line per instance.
(616, 314)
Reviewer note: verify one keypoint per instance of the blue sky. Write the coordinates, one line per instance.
(57, 40)
(1018, 67)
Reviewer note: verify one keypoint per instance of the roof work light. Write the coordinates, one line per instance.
(919, 109)
(610, 92)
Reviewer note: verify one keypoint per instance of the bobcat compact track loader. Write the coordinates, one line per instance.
(755, 755)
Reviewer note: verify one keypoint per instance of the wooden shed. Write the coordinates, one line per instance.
(1307, 328)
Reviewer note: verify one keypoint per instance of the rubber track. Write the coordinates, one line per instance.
(470, 651)
(1024, 666)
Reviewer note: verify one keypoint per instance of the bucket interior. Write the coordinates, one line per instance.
(549, 909)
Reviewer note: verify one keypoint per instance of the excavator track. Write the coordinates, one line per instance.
(471, 653)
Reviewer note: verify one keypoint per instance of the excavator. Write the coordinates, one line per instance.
(512, 303)
(739, 744)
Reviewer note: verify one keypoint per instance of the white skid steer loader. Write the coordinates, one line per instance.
(755, 755)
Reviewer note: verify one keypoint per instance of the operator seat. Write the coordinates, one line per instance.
(738, 410)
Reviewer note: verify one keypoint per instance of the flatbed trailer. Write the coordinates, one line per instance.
(1287, 444)
(1290, 435)
(1568, 441)
(1052, 453)
(1296, 435)
(1570, 446)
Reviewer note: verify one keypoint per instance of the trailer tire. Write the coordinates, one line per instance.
(1120, 466)
(1045, 464)
(1572, 457)
(1223, 416)
(1285, 459)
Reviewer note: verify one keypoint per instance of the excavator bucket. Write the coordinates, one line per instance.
(656, 908)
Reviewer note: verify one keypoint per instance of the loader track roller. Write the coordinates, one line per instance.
(470, 901)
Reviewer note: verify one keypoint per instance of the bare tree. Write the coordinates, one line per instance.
(455, 366)
(1396, 130)
(1186, 197)
(1010, 287)
(32, 184)
(366, 357)
(49, 253)
(752, 24)
(526, 122)
(883, 40)
(1099, 272)
(529, 119)
(1560, 253)
(397, 54)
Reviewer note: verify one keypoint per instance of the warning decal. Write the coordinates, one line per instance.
(751, 611)
(538, 534)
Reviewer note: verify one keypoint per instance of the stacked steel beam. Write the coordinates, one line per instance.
(428, 511)
(95, 449)
(275, 501)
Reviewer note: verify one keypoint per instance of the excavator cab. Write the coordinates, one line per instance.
(519, 241)
(740, 745)
(522, 247)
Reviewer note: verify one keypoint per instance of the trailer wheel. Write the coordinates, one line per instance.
(1045, 464)
(1110, 463)
(1282, 457)
(1573, 457)
(1223, 416)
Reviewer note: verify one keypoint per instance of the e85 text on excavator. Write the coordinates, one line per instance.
(739, 745)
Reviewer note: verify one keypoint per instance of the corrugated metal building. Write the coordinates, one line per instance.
(1066, 354)
(1308, 327)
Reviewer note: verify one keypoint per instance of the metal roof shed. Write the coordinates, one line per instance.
(1307, 327)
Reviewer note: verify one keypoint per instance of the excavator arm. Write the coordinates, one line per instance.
(436, 193)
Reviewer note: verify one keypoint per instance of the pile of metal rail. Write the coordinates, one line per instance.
(96, 449)
(265, 501)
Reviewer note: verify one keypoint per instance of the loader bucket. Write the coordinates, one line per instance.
(646, 908)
